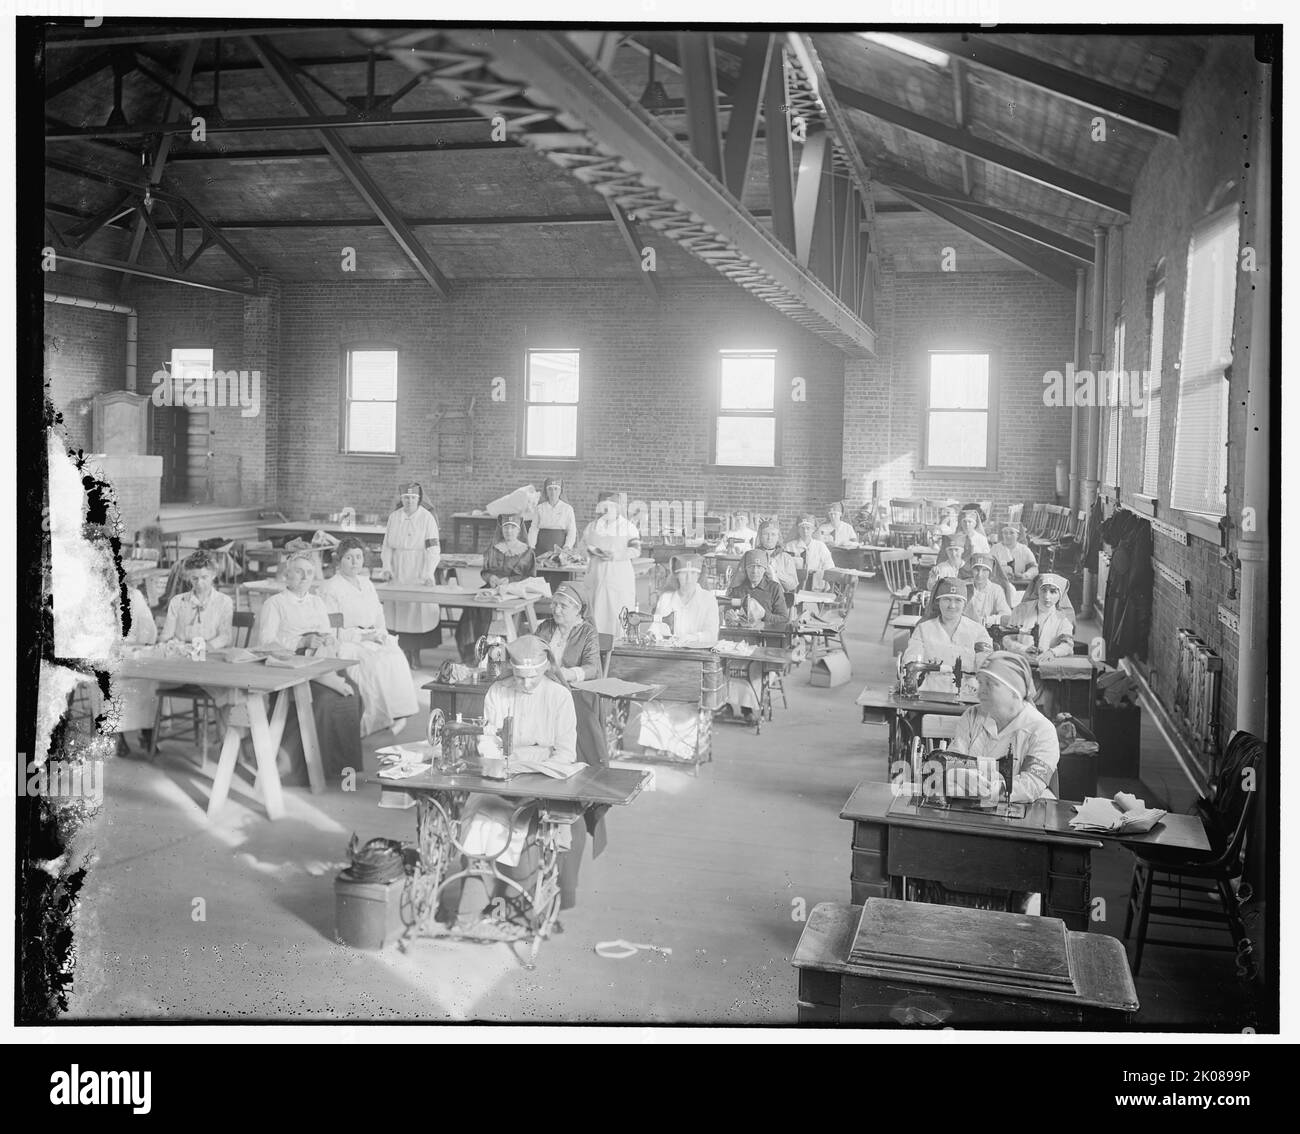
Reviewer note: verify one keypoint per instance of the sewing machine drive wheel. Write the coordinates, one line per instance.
(437, 722)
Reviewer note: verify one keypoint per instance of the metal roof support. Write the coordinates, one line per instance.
(814, 166)
(780, 158)
(627, 230)
(746, 100)
(700, 74)
(351, 168)
(150, 273)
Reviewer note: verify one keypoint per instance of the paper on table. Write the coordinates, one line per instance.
(555, 769)
(1125, 814)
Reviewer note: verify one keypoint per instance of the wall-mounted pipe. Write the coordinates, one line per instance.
(1092, 418)
(1080, 319)
(132, 326)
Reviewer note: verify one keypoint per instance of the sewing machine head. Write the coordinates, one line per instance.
(492, 647)
(452, 741)
(632, 623)
(912, 673)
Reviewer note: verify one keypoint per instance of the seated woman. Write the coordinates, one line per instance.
(755, 600)
(1043, 620)
(543, 727)
(298, 621)
(946, 635)
(813, 556)
(507, 561)
(136, 698)
(1016, 560)
(570, 638)
(781, 565)
(970, 530)
(741, 536)
(684, 616)
(988, 601)
(842, 534)
(950, 565)
(384, 675)
(202, 611)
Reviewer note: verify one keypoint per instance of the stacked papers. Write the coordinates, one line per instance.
(1125, 814)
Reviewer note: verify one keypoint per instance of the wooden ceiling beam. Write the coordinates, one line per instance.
(351, 168)
(1022, 165)
(1135, 109)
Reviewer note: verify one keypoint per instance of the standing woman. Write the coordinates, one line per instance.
(556, 525)
(612, 542)
(297, 620)
(507, 561)
(410, 555)
(384, 677)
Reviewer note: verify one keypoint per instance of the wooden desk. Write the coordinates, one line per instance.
(440, 802)
(770, 659)
(688, 674)
(468, 570)
(895, 838)
(257, 681)
(777, 637)
(461, 597)
(366, 533)
(834, 989)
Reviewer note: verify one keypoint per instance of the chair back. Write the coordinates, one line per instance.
(1233, 792)
(1014, 512)
(906, 510)
(896, 566)
(241, 625)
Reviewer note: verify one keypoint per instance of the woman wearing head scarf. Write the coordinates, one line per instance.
(1046, 627)
(946, 635)
(813, 555)
(383, 676)
(1006, 727)
(555, 525)
(612, 542)
(970, 531)
(1016, 560)
(758, 599)
(950, 564)
(507, 561)
(297, 620)
(410, 555)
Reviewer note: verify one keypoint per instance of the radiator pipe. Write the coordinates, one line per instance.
(1092, 417)
(1080, 319)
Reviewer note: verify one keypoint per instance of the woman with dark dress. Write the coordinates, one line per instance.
(507, 561)
(573, 644)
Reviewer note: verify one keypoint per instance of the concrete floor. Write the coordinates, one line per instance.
(717, 867)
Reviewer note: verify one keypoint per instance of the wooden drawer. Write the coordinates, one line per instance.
(967, 861)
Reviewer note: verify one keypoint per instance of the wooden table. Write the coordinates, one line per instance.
(366, 533)
(687, 674)
(461, 597)
(771, 659)
(440, 803)
(885, 706)
(895, 838)
(257, 681)
(468, 569)
(835, 988)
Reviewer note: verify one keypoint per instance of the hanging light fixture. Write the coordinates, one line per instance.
(654, 97)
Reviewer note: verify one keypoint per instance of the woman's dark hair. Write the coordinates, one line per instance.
(349, 543)
(199, 561)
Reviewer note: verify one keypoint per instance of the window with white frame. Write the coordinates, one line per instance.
(1200, 471)
(960, 423)
(1115, 394)
(369, 418)
(1155, 363)
(190, 364)
(746, 426)
(552, 387)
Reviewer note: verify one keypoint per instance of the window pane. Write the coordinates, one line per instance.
(372, 427)
(374, 374)
(959, 381)
(746, 441)
(748, 382)
(192, 363)
(552, 376)
(958, 439)
(552, 431)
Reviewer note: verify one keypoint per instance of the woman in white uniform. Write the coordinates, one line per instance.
(946, 636)
(612, 542)
(410, 555)
(555, 524)
(842, 534)
(384, 677)
(988, 601)
(1043, 620)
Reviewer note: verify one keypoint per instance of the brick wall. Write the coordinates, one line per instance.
(85, 355)
(1027, 323)
(1173, 192)
(648, 378)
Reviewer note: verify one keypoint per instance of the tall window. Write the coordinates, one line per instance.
(1114, 412)
(1200, 441)
(369, 418)
(551, 390)
(959, 418)
(1151, 457)
(746, 421)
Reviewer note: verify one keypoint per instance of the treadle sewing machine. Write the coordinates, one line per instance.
(633, 624)
(548, 806)
(911, 674)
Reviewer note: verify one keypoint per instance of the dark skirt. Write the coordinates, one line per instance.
(338, 733)
(548, 538)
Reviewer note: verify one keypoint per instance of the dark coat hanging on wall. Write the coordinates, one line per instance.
(1129, 585)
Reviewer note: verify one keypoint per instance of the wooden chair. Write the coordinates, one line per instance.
(828, 629)
(1014, 513)
(906, 520)
(1226, 814)
(896, 569)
